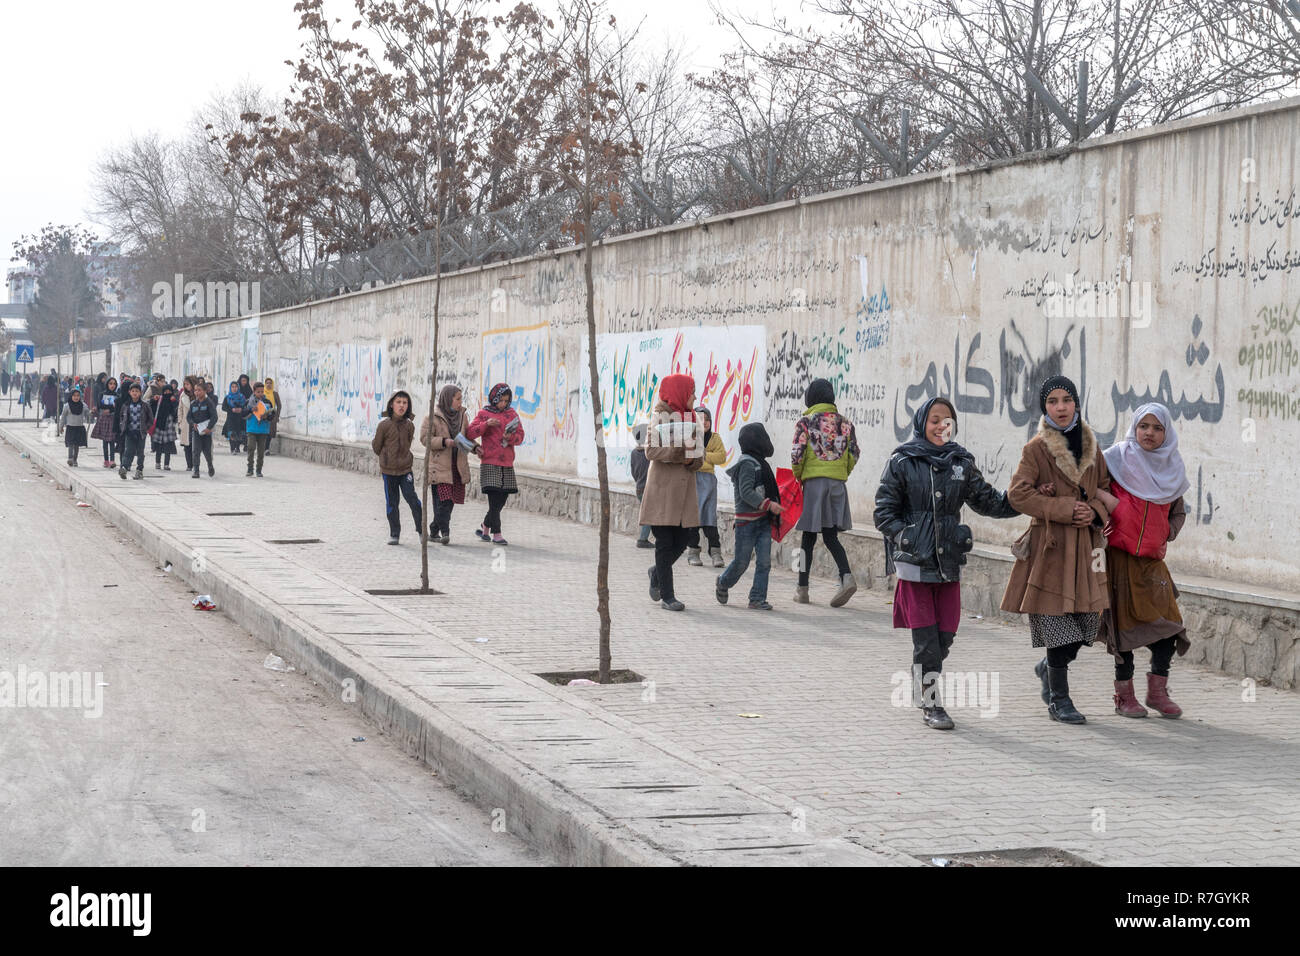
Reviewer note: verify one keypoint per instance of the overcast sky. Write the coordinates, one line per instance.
(83, 75)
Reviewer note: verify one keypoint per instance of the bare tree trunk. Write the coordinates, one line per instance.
(433, 404)
(602, 470)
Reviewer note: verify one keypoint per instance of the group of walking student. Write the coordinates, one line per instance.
(1090, 567)
(129, 414)
(448, 436)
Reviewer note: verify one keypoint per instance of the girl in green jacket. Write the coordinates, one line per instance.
(822, 458)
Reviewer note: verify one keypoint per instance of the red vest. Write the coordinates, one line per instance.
(1138, 526)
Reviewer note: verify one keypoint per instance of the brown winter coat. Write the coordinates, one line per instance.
(435, 435)
(670, 497)
(1058, 577)
(392, 443)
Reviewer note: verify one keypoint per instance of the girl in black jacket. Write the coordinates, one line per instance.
(918, 510)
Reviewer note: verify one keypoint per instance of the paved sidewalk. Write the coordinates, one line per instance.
(1217, 787)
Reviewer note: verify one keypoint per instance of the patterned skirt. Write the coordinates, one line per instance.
(1059, 630)
(498, 478)
(164, 439)
(103, 429)
(454, 490)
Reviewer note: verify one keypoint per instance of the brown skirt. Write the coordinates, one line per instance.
(1143, 604)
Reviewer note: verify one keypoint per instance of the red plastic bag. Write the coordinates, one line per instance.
(791, 501)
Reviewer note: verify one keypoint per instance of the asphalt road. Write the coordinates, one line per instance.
(200, 755)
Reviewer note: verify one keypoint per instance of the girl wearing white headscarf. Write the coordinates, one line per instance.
(1148, 478)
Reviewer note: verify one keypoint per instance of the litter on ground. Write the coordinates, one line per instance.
(273, 663)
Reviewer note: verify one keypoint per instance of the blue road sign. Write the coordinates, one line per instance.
(25, 353)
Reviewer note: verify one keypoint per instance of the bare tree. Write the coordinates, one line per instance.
(772, 135)
(1262, 35)
(180, 208)
(408, 125)
(589, 149)
(660, 112)
(966, 62)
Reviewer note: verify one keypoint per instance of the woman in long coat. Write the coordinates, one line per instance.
(1061, 580)
(50, 397)
(671, 503)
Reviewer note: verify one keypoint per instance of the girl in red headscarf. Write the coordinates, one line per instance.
(670, 504)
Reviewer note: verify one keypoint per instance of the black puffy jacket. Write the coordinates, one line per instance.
(918, 510)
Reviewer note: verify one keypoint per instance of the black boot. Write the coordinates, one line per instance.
(926, 655)
(1061, 707)
(932, 711)
(1041, 670)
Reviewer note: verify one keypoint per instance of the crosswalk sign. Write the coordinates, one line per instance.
(25, 353)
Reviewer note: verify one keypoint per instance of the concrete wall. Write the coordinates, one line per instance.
(938, 284)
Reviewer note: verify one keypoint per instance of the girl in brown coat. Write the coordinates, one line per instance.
(448, 450)
(1059, 579)
(392, 443)
(670, 504)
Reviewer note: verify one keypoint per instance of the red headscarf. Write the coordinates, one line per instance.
(677, 390)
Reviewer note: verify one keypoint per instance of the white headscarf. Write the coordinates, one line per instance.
(1155, 476)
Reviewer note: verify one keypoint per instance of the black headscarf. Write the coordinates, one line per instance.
(75, 407)
(165, 405)
(921, 447)
(245, 389)
(755, 442)
(819, 392)
(1072, 432)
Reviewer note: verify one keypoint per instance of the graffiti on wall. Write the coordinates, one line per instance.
(728, 365)
(564, 426)
(1270, 355)
(518, 357)
(360, 390)
(337, 392)
(1012, 394)
(799, 359)
(291, 388)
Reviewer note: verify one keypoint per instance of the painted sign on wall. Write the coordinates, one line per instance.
(518, 357)
(729, 365)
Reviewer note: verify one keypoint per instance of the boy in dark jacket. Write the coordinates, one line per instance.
(640, 466)
(757, 498)
(918, 510)
(135, 418)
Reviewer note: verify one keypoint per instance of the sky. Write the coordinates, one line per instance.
(80, 77)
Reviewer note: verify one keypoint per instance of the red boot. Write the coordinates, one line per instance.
(1158, 697)
(1126, 702)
